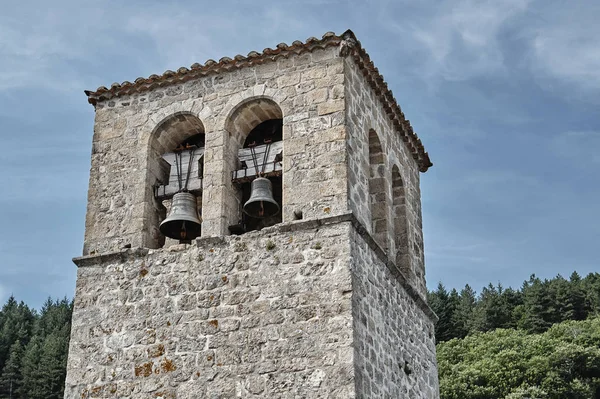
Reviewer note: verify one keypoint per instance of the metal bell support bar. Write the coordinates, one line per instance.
(183, 222)
(261, 203)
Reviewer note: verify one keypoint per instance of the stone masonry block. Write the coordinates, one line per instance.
(288, 80)
(317, 96)
(330, 107)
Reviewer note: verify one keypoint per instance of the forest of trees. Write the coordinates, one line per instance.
(33, 349)
(541, 341)
(535, 307)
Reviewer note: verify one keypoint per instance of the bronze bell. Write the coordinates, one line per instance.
(183, 222)
(261, 203)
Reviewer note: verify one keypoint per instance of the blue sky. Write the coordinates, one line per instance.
(503, 93)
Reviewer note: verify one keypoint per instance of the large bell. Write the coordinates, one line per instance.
(261, 203)
(183, 222)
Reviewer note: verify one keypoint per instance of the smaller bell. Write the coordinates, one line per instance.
(183, 222)
(261, 203)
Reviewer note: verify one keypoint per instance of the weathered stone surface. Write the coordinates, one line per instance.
(394, 349)
(239, 317)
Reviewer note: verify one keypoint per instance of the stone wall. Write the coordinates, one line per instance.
(266, 314)
(308, 88)
(364, 113)
(394, 344)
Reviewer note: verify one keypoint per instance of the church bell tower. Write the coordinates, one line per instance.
(253, 230)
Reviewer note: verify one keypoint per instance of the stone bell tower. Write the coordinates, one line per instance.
(309, 286)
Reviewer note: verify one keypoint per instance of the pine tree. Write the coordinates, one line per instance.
(539, 307)
(6, 334)
(10, 378)
(33, 382)
(591, 287)
(16, 323)
(55, 315)
(444, 304)
(577, 298)
(512, 300)
(559, 289)
(53, 363)
(463, 314)
(496, 305)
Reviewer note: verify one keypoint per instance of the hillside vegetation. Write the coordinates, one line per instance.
(541, 341)
(563, 362)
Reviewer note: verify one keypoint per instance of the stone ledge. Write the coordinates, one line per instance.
(297, 225)
(202, 242)
(124, 254)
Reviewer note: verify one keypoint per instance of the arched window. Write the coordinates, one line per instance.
(179, 131)
(255, 149)
(400, 225)
(377, 191)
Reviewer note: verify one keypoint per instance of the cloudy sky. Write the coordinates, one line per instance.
(505, 95)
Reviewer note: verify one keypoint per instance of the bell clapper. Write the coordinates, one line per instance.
(183, 231)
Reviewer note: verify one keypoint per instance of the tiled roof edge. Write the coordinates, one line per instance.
(184, 74)
(349, 46)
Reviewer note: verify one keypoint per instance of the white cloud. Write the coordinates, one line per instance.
(40, 54)
(25, 57)
(464, 39)
(566, 44)
(460, 38)
(186, 36)
(179, 38)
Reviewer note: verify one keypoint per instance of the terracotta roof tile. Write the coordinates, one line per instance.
(349, 46)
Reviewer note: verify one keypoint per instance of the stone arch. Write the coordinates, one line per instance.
(249, 114)
(241, 120)
(400, 224)
(174, 129)
(251, 94)
(377, 191)
(168, 134)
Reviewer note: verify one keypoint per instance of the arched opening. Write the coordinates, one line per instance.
(377, 191)
(399, 223)
(255, 131)
(181, 134)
